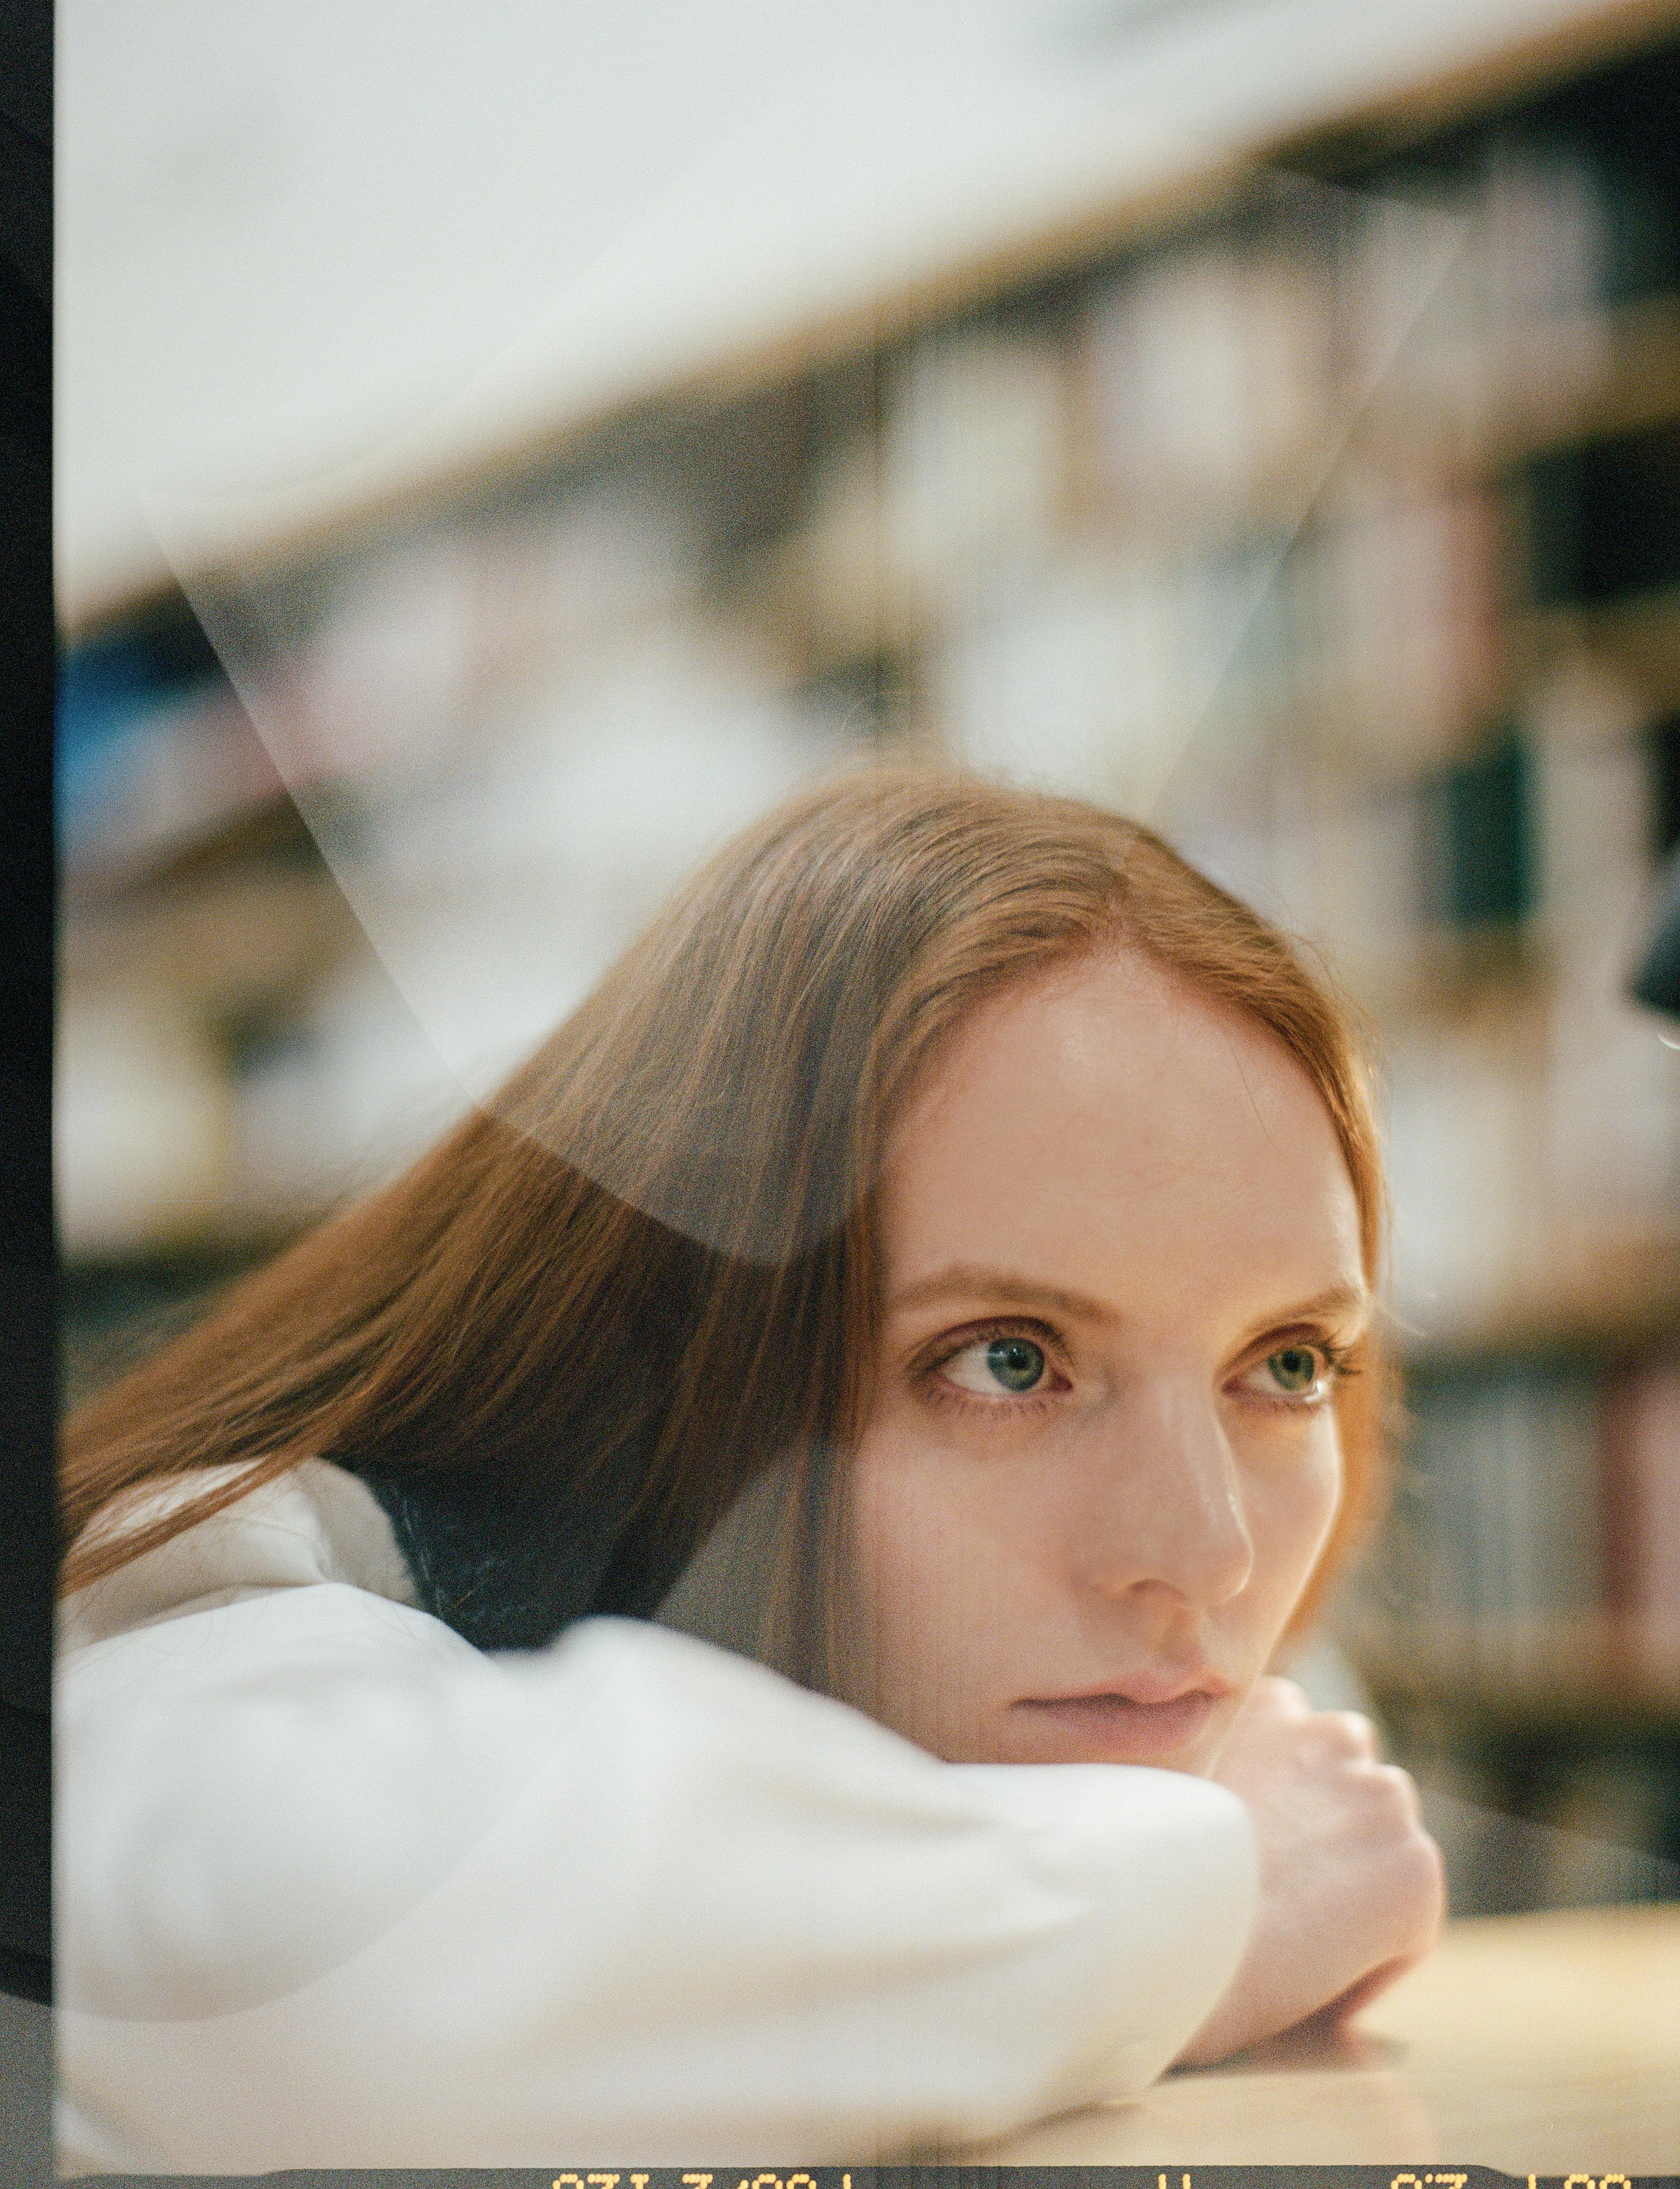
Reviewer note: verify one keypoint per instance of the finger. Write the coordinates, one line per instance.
(1344, 1736)
(1357, 1730)
(1427, 1873)
(1402, 1789)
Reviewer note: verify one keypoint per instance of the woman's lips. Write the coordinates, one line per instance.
(1116, 1728)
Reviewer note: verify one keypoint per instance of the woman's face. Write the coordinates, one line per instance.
(1122, 1267)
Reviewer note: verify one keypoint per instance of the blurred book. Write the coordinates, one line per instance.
(973, 463)
(142, 1123)
(1604, 518)
(1477, 291)
(1211, 382)
(1494, 1537)
(1641, 1473)
(147, 767)
(1477, 846)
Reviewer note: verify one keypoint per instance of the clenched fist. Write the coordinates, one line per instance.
(1351, 1888)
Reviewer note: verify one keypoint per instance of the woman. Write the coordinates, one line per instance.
(937, 1263)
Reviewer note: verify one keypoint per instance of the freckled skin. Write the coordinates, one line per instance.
(1145, 1515)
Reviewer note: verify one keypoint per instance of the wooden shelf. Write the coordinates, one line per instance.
(831, 625)
(1596, 1672)
(1620, 1300)
(1556, 385)
(1639, 633)
(222, 941)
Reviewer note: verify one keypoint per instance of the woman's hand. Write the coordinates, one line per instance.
(1351, 1886)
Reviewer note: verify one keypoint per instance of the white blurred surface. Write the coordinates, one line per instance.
(308, 256)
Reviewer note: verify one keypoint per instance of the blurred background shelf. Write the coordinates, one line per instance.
(1592, 1675)
(1264, 417)
(874, 177)
(1625, 1298)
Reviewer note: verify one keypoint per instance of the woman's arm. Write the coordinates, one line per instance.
(333, 1889)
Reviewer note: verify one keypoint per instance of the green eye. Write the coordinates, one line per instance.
(1016, 1362)
(1295, 1369)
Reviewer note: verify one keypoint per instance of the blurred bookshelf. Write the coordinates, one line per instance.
(1330, 518)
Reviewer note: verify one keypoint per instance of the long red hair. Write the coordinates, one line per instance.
(657, 1250)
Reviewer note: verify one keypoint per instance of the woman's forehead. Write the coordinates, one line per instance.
(1104, 1123)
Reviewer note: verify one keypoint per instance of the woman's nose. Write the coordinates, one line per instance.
(1166, 1507)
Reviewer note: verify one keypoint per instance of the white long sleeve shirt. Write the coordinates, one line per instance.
(335, 1889)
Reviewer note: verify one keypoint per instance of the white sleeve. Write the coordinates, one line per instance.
(335, 1890)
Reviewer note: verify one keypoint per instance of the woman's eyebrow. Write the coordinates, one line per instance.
(1350, 1301)
(971, 1280)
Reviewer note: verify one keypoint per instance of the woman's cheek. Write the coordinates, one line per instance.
(933, 1585)
(902, 1569)
(1291, 1507)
